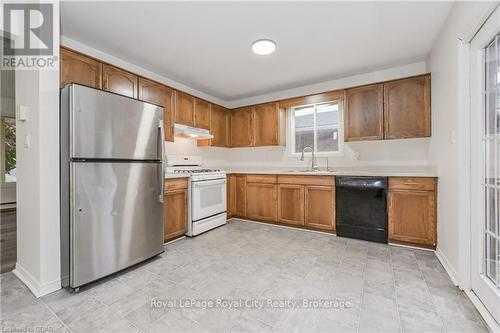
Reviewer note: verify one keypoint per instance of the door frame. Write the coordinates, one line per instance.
(463, 277)
(478, 283)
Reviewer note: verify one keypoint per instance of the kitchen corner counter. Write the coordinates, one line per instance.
(175, 175)
(399, 171)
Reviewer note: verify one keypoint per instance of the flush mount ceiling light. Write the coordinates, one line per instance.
(263, 46)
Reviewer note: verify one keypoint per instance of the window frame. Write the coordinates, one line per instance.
(290, 131)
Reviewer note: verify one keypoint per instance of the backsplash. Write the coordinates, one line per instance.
(410, 152)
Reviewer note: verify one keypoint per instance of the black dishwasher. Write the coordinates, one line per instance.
(361, 204)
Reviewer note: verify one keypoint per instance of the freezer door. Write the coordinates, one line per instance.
(109, 126)
(116, 218)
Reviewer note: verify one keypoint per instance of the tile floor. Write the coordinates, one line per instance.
(370, 287)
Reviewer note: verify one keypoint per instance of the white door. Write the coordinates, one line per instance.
(485, 164)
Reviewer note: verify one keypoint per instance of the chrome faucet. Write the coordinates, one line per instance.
(314, 166)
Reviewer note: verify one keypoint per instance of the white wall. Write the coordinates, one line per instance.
(37, 141)
(445, 64)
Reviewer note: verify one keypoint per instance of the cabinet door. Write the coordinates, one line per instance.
(175, 213)
(320, 207)
(407, 108)
(242, 127)
(261, 201)
(119, 81)
(231, 195)
(78, 68)
(412, 217)
(201, 113)
(184, 108)
(219, 126)
(291, 204)
(364, 114)
(156, 93)
(240, 196)
(266, 124)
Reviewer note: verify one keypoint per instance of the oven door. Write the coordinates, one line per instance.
(208, 198)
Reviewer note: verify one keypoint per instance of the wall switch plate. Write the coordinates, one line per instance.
(27, 141)
(23, 113)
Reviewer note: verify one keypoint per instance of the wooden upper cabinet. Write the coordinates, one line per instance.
(119, 81)
(407, 108)
(320, 207)
(184, 108)
(266, 124)
(242, 125)
(78, 68)
(219, 126)
(291, 204)
(364, 114)
(201, 113)
(156, 93)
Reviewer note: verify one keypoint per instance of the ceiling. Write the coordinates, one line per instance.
(206, 45)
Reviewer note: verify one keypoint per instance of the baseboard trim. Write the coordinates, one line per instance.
(281, 226)
(452, 273)
(33, 284)
(175, 240)
(411, 247)
(485, 314)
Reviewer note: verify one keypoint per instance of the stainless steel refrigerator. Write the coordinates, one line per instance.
(112, 177)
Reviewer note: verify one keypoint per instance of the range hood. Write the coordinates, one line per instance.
(185, 131)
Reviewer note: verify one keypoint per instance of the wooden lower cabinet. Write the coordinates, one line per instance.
(230, 195)
(176, 196)
(291, 204)
(320, 207)
(261, 201)
(309, 201)
(412, 212)
(240, 195)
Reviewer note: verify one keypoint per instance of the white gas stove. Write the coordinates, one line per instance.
(207, 193)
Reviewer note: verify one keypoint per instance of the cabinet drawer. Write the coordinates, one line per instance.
(176, 184)
(265, 179)
(307, 180)
(413, 183)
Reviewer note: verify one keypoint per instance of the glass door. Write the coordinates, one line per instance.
(485, 164)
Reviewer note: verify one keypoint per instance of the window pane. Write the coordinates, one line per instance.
(491, 65)
(304, 127)
(304, 138)
(328, 139)
(9, 148)
(327, 114)
(492, 264)
(327, 121)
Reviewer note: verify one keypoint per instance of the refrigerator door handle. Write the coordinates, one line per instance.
(161, 152)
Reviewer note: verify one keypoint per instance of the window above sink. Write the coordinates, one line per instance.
(318, 126)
